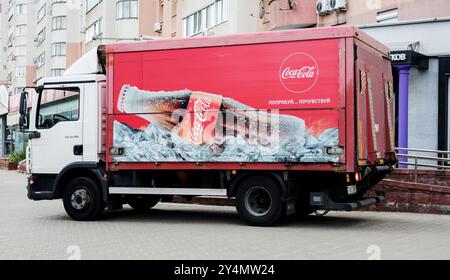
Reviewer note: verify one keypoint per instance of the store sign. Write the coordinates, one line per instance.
(398, 57)
(409, 57)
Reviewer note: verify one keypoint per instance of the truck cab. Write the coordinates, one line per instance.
(64, 123)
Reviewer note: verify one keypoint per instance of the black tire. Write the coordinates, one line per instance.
(144, 202)
(253, 205)
(83, 200)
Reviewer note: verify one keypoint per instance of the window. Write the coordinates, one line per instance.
(90, 4)
(21, 9)
(58, 72)
(20, 51)
(387, 16)
(59, 23)
(127, 9)
(94, 30)
(21, 30)
(57, 105)
(41, 13)
(59, 49)
(40, 37)
(21, 71)
(221, 11)
(206, 18)
(40, 60)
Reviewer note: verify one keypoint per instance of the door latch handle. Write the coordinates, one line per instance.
(78, 150)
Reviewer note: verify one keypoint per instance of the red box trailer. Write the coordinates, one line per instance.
(284, 122)
(327, 93)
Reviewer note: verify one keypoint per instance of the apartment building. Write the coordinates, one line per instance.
(3, 39)
(18, 24)
(417, 32)
(19, 47)
(117, 20)
(4, 96)
(286, 14)
(57, 37)
(216, 17)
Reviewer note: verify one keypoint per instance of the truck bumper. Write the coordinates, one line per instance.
(324, 201)
(40, 187)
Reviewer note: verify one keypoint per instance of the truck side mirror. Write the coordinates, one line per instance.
(23, 110)
(24, 123)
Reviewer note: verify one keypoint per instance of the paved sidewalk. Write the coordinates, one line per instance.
(42, 230)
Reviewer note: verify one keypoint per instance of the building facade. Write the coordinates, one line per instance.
(4, 95)
(110, 21)
(219, 17)
(57, 37)
(18, 28)
(413, 29)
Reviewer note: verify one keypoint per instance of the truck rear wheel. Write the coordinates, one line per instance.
(83, 200)
(258, 201)
(144, 202)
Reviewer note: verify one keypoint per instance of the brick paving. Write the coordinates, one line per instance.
(42, 230)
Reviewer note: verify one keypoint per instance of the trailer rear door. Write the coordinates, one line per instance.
(374, 106)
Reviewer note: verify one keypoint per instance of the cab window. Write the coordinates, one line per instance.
(57, 105)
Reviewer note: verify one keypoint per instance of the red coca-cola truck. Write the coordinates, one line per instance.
(283, 122)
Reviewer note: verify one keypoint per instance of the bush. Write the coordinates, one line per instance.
(17, 157)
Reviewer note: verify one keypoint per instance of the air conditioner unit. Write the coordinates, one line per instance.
(323, 7)
(338, 5)
(157, 27)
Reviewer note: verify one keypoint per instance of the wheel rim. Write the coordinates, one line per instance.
(258, 201)
(80, 199)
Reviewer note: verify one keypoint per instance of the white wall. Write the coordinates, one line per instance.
(433, 36)
(423, 107)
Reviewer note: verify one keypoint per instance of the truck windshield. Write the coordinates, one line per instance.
(57, 105)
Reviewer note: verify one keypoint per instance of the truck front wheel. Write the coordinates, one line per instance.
(258, 201)
(82, 200)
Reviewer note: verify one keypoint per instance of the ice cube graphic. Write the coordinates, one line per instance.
(155, 144)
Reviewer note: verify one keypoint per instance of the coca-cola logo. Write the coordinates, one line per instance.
(299, 72)
(201, 106)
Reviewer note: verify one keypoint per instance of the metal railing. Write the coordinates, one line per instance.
(441, 158)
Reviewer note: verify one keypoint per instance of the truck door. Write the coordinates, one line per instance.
(59, 122)
(375, 107)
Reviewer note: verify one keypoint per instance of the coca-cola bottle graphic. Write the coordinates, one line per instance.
(205, 118)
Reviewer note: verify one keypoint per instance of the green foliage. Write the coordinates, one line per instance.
(17, 157)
